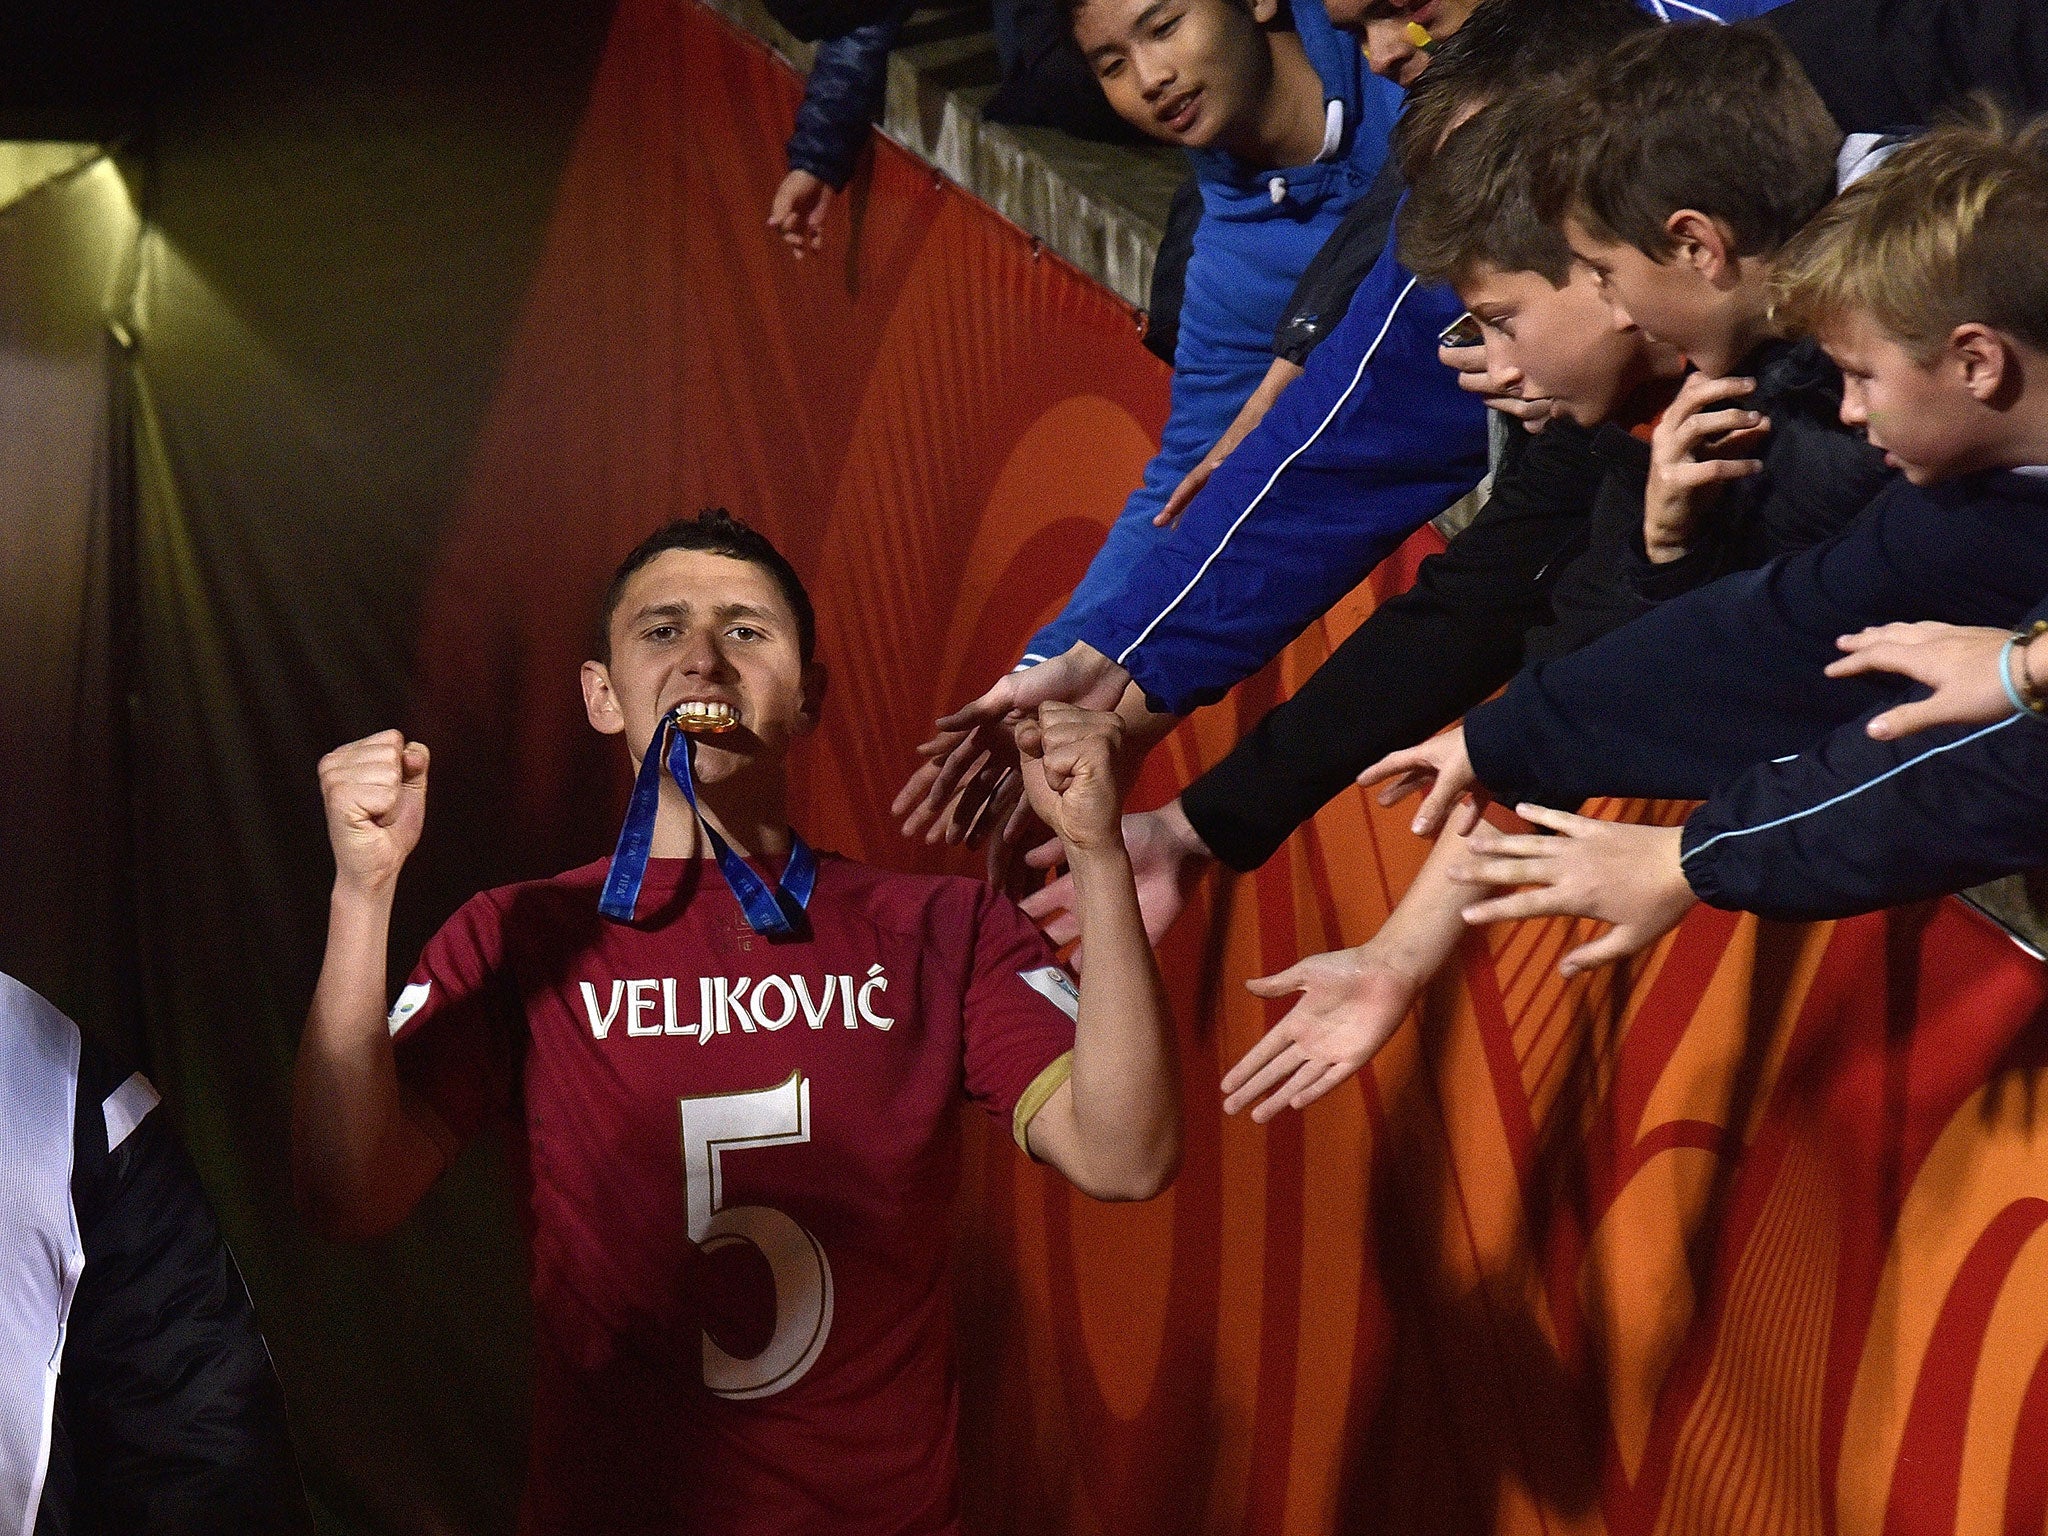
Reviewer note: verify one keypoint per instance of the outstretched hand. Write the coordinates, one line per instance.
(1081, 676)
(1960, 664)
(1167, 859)
(1442, 765)
(1616, 871)
(1351, 1002)
(966, 786)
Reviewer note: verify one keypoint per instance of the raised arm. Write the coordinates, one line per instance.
(1114, 1127)
(363, 1151)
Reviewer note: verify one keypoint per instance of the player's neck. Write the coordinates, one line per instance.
(751, 816)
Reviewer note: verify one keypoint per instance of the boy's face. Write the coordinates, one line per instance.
(1922, 415)
(1673, 301)
(697, 627)
(1192, 72)
(1564, 344)
(1382, 29)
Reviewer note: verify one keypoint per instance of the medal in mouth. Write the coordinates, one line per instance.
(705, 718)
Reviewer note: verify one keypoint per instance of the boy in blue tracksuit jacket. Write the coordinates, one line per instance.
(1908, 281)
(1373, 440)
(1259, 229)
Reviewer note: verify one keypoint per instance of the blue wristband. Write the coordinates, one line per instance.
(2005, 675)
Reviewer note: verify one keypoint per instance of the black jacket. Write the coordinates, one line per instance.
(169, 1418)
(1679, 703)
(1853, 825)
(1882, 64)
(1418, 661)
(1816, 477)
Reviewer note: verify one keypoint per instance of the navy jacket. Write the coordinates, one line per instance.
(1854, 825)
(849, 75)
(1685, 699)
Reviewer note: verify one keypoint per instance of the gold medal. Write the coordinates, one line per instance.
(706, 719)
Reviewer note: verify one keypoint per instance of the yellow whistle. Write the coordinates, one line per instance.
(1418, 34)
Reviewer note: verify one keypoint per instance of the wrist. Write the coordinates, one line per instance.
(358, 892)
(1663, 548)
(2026, 667)
(1092, 863)
(2024, 687)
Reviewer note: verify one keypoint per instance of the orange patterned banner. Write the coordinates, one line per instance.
(1752, 1238)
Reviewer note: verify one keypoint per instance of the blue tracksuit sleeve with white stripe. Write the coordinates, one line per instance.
(1260, 229)
(1373, 440)
(1854, 824)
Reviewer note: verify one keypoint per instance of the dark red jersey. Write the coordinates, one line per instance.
(740, 1156)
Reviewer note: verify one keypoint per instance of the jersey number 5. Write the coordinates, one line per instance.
(714, 1125)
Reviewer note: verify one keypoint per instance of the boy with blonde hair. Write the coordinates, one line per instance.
(1924, 283)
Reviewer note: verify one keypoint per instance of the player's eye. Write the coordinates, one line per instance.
(1166, 27)
(1109, 69)
(745, 632)
(662, 633)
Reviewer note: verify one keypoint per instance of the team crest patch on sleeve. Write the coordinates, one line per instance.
(1053, 984)
(410, 1001)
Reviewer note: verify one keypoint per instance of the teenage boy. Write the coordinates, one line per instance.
(746, 1330)
(1473, 221)
(1286, 129)
(1682, 164)
(1400, 441)
(1922, 283)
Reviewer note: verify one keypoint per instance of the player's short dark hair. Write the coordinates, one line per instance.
(1475, 204)
(714, 531)
(1693, 115)
(1503, 45)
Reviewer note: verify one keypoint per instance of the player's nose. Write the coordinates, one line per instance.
(702, 656)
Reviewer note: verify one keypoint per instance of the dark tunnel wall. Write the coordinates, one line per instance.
(344, 215)
(66, 261)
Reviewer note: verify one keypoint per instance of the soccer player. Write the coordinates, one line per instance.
(735, 1089)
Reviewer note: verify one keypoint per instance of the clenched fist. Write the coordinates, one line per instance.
(375, 791)
(1072, 774)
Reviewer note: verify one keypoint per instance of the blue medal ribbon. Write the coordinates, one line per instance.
(774, 912)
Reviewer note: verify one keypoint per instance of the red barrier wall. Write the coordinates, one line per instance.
(1754, 1238)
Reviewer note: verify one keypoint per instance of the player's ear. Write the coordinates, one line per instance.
(815, 679)
(599, 702)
